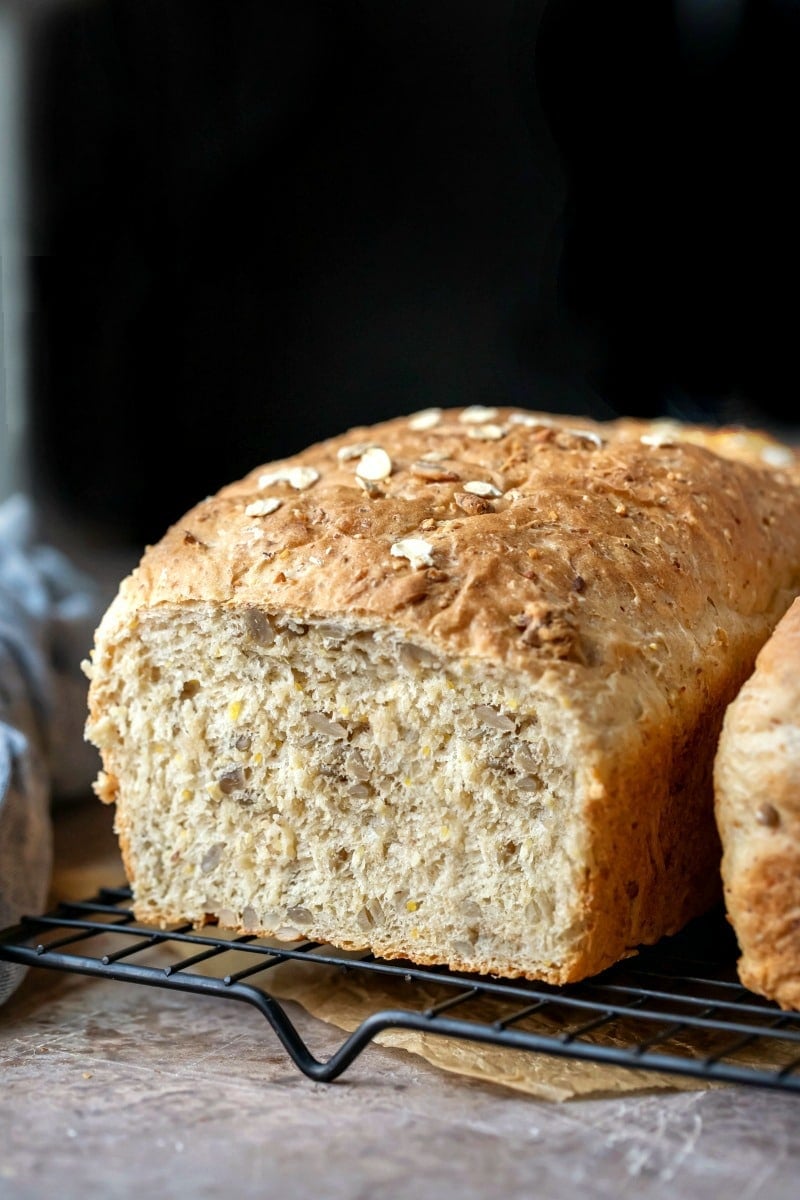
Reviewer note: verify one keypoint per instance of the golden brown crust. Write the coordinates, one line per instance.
(757, 777)
(583, 539)
(638, 565)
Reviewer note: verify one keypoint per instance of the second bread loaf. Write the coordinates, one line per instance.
(757, 779)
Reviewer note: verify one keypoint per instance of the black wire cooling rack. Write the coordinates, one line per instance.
(677, 1007)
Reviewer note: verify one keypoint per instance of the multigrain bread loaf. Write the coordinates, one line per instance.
(448, 687)
(757, 783)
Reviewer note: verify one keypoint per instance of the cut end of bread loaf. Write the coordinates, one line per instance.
(335, 781)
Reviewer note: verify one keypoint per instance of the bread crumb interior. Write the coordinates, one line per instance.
(331, 780)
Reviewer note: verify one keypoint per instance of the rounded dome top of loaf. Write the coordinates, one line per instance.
(531, 539)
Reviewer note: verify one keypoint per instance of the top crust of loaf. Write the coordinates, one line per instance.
(757, 781)
(516, 537)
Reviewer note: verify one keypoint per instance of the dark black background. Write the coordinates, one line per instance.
(256, 224)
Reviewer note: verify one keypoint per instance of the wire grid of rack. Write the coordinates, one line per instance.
(677, 1007)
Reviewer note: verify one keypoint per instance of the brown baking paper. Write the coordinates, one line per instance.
(87, 858)
(345, 1000)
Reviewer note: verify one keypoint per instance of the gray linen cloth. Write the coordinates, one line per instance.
(48, 612)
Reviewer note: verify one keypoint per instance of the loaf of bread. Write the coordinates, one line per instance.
(448, 687)
(757, 783)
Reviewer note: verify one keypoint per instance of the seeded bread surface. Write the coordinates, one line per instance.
(448, 687)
